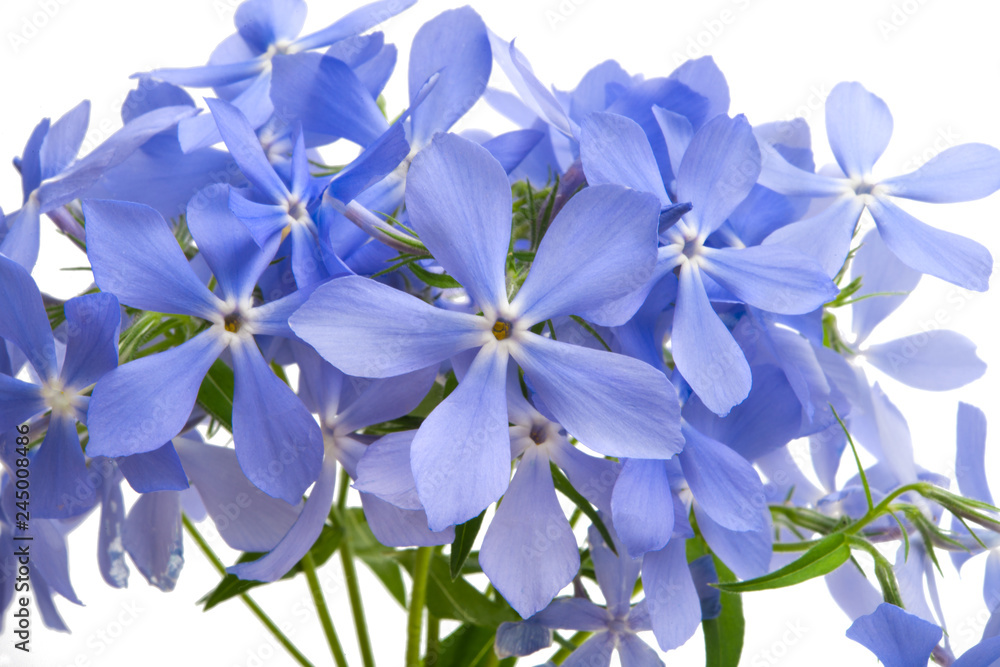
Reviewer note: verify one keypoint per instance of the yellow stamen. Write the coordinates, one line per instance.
(501, 329)
(232, 322)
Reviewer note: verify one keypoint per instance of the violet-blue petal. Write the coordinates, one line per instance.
(459, 202)
(381, 400)
(599, 249)
(158, 470)
(826, 236)
(461, 453)
(60, 472)
(23, 234)
(225, 242)
(325, 96)
(279, 445)
(153, 538)
(614, 404)
(63, 140)
(677, 133)
(207, 76)
(704, 576)
(142, 404)
(591, 93)
(19, 400)
(247, 518)
(353, 23)
(262, 23)
(245, 147)
(614, 150)
(521, 638)
(511, 148)
(31, 158)
(616, 575)
(633, 652)
(986, 652)
(573, 614)
(858, 125)
(946, 255)
(368, 329)
(594, 477)
(23, 320)
(703, 76)
(264, 221)
(529, 551)
(723, 483)
(642, 507)
(959, 173)
(935, 360)
(374, 164)
(703, 348)
(271, 319)
(299, 538)
(780, 175)
(746, 553)
(896, 637)
(880, 271)
(254, 102)
(92, 345)
(455, 44)
(135, 256)
(384, 471)
(773, 278)
(50, 557)
(718, 170)
(595, 652)
(671, 598)
(397, 527)
(110, 550)
(970, 468)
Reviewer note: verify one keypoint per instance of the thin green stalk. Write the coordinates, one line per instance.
(345, 484)
(432, 652)
(254, 607)
(309, 565)
(357, 609)
(421, 564)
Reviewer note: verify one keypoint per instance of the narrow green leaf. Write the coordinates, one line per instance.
(724, 634)
(465, 536)
(458, 599)
(564, 487)
(826, 556)
(441, 280)
(216, 394)
(857, 459)
(387, 570)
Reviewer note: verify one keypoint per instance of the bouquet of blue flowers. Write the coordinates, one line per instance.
(543, 385)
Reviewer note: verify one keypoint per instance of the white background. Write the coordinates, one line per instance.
(935, 63)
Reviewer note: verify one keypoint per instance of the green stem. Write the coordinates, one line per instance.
(253, 606)
(357, 609)
(345, 484)
(564, 652)
(421, 564)
(432, 653)
(309, 565)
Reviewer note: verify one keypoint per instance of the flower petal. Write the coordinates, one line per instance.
(135, 256)
(970, 468)
(384, 471)
(262, 23)
(880, 271)
(459, 201)
(642, 506)
(353, 23)
(144, 403)
(63, 140)
(461, 453)
(93, 322)
(858, 125)
(158, 470)
(19, 400)
(245, 147)
(381, 400)
(935, 360)
(633, 652)
(396, 527)
(368, 329)
(948, 256)
(152, 537)
(826, 236)
(595, 652)
(746, 553)
(573, 614)
(614, 404)
(522, 638)
(61, 489)
(672, 600)
(959, 173)
(529, 551)
(616, 575)
(615, 151)
(600, 249)
(23, 320)
(896, 637)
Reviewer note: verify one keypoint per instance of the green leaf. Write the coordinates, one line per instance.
(458, 599)
(442, 280)
(724, 634)
(387, 570)
(231, 586)
(468, 646)
(465, 536)
(430, 401)
(824, 557)
(564, 487)
(216, 394)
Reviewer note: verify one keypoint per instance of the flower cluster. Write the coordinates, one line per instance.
(631, 302)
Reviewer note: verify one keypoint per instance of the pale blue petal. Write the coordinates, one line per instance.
(153, 538)
(642, 507)
(511, 148)
(896, 637)
(746, 553)
(780, 175)
(19, 401)
(263, 221)
(633, 652)
(573, 614)
(723, 483)
(368, 329)
(278, 444)
(247, 518)
(454, 44)
(381, 400)
(616, 575)
(529, 551)
(858, 125)
(703, 76)
(63, 140)
(593, 477)
(245, 147)
(93, 322)
(774, 278)
(144, 403)
(459, 202)
(880, 272)
(595, 652)
(959, 173)
(207, 76)
(613, 404)
(110, 550)
(970, 464)
(599, 249)
(353, 23)
(592, 94)
(615, 151)
(262, 23)
(135, 257)
(935, 360)
(396, 527)
(522, 638)
(461, 453)
(946, 255)
(718, 170)
(384, 471)
(23, 235)
(985, 653)
(671, 598)
(703, 348)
